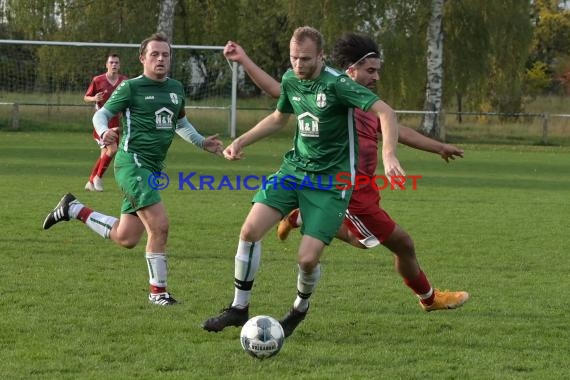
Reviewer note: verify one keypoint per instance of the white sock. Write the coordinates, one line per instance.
(306, 284)
(74, 209)
(100, 224)
(157, 269)
(247, 261)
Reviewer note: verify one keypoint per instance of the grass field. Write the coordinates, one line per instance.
(494, 223)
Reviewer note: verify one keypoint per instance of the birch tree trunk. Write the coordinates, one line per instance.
(431, 123)
(166, 18)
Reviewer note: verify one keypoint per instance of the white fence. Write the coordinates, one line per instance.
(27, 75)
(540, 126)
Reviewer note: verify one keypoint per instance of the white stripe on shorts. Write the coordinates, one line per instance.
(366, 237)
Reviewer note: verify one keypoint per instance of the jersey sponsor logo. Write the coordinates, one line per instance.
(321, 100)
(163, 118)
(150, 97)
(296, 98)
(308, 125)
(174, 98)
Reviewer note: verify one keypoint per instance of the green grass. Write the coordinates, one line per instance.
(494, 223)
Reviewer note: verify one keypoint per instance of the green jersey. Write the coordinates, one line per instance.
(150, 112)
(325, 140)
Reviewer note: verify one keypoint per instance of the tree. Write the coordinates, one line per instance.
(466, 53)
(81, 20)
(35, 19)
(486, 50)
(401, 30)
(510, 32)
(166, 18)
(550, 48)
(431, 122)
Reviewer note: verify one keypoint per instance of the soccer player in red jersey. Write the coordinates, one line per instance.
(100, 89)
(366, 224)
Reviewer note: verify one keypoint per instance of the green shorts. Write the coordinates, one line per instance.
(322, 210)
(133, 179)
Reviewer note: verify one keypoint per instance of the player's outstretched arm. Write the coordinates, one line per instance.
(187, 131)
(264, 128)
(234, 52)
(416, 140)
(213, 145)
(389, 126)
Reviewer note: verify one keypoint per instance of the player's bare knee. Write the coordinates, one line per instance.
(408, 246)
(248, 233)
(307, 264)
(128, 242)
(159, 234)
(125, 238)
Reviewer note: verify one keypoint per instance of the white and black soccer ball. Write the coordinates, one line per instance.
(262, 336)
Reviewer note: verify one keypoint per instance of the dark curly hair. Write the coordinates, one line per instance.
(352, 48)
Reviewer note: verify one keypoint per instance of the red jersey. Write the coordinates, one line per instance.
(100, 83)
(367, 128)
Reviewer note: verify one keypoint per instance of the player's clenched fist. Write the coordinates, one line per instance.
(110, 137)
(233, 151)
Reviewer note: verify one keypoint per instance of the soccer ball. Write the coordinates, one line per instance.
(262, 336)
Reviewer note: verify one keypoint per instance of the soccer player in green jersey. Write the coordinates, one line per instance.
(152, 105)
(366, 223)
(323, 100)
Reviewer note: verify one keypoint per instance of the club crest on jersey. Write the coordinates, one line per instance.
(174, 98)
(164, 118)
(308, 125)
(321, 100)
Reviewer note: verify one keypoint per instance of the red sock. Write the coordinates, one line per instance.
(84, 214)
(95, 169)
(421, 286)
(103, 165)
(157, 289)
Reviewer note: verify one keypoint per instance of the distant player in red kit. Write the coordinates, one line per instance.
(100, 89)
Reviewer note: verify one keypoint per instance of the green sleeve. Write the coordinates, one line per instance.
(354, 94)
(120, 99)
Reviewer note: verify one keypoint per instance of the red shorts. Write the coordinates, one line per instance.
(366, 219)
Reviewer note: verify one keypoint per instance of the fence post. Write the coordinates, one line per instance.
(233, 110)
(441, 122)
(545, 128)
(15, 116)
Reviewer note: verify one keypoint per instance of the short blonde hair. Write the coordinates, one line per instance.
(308, 32)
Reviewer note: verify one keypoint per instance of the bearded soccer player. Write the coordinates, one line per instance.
(366, 224)
(99, 91)
(153, 105)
